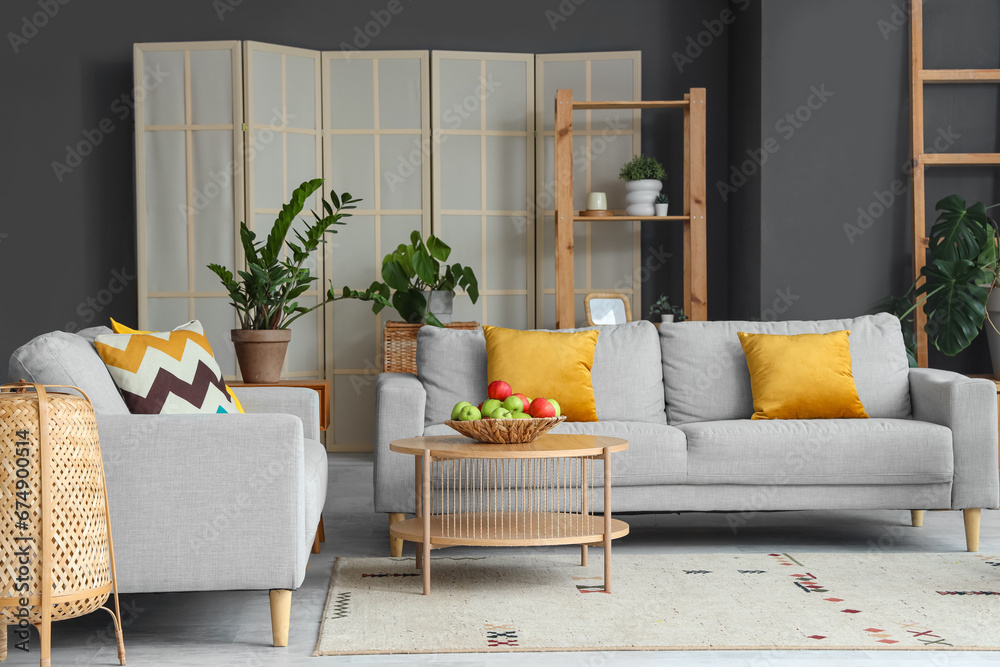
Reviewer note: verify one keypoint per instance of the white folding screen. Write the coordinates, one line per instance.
(608, 255)
(376, 126)
(284, 149)
(443, 142)
(483, 123)
(189, 183)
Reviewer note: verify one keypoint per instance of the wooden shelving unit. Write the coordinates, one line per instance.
(695, 190)
(922, 159)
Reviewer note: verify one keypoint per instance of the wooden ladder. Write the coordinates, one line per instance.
(921, 159)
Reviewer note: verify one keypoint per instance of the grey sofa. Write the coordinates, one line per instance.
(200, 502)
(681, 397)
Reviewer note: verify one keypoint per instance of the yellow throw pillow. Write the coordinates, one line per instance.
(807, 376)
(120, 328)
(545, 364)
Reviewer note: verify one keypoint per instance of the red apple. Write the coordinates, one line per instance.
(541, 408)
(525, 400)
(480, 407)
(499, 390)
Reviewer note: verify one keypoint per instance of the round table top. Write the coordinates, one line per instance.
(550, 445)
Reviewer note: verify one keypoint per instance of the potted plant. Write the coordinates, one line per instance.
(424, 284)
(643, 176)
(662, 205)
(958, 281)
(666, 311)
(266, 292)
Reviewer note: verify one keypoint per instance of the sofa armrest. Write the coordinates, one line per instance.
(969, 408)
(399, 413)
(190, 495)
(299, 401)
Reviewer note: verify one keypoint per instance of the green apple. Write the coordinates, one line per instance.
(514, 404)
(556, 406)
(469, 413)
(491, 405)
(455, 411)
(522, 415)
(501, 413)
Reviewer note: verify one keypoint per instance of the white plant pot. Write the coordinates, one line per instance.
(440, 303)
(993, 313)
(664, 317)
(640, 196)
(661, 210)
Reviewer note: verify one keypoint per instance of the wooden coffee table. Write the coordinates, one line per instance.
(539, 493)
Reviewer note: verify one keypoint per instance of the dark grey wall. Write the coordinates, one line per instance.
(835, 209)
(70, 242)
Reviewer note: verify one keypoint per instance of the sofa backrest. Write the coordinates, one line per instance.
(706, 377)
(65, 358)
(627, 374)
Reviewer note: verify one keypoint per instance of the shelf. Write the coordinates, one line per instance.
(510, 529)
(619, 218)
(671, 104)
(960, 158)
(960, 75)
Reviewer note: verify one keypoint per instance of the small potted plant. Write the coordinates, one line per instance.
(666, 311)
(662, 205)
(424, 284)
(266, 292)
(643, 176)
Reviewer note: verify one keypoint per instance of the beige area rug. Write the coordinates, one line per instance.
(539, 602)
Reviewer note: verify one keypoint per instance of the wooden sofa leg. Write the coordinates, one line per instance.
(917, 517)
(972, 517)
(322, 530)
(281, 614)
(395, 544)
(315, 548)
(3, 642)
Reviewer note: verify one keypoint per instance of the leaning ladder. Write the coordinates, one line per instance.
(921, 159)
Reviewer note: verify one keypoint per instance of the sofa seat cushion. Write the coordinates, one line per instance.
(656, 454)
(820, 451)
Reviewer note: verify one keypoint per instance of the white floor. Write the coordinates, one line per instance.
(233, 628)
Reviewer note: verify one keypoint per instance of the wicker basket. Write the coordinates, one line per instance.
(399, 345)
(505, 431)
(54, 469)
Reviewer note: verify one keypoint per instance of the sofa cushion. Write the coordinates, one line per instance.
(818, 451)
(451, 364)
(627, 374)
(64, 358)
(705, 373)
(657, 453)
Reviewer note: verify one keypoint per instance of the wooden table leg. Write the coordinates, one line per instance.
(417, 501)
(426, 506)
(607, 519)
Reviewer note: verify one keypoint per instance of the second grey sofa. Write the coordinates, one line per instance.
(682, 398)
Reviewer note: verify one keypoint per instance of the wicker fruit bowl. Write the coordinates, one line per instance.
(505, 431)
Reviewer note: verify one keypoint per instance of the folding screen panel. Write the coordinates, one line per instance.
(283, 149)
(608, 255)
(189, 184)
(483, 123)
(376, 127)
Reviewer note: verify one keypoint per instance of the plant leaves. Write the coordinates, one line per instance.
(425, 267)
(438, 248)
(955, 304)
(394, 276)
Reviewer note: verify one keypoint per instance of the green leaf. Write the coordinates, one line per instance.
(955, 304)
(425, 267)
(470, 284)
(438, 248)
(960, 232)
(394, 276)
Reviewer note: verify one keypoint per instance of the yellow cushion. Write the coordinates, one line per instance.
(120, 328)
(545, 364)
(807, 376)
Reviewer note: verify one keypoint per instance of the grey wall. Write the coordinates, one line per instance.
(72, 242)
(835, 208)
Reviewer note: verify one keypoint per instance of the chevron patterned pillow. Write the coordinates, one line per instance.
(166, 372)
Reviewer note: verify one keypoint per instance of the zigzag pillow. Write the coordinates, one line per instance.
(166, 372)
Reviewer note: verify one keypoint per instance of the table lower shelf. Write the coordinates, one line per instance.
(510, 529)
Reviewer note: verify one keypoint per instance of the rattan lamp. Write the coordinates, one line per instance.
(55, 530)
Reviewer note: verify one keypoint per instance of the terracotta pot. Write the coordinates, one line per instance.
(261, 353)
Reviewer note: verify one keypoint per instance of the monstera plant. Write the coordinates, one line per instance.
(961, 270)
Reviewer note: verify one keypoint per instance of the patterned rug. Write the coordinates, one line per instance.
(539, 602)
